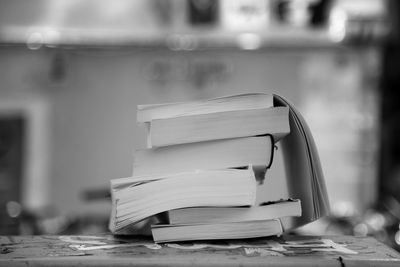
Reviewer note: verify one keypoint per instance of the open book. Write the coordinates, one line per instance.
(305, 178)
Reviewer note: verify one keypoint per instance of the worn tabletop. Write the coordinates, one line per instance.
(108, 250)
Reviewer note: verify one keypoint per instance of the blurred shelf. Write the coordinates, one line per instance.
(185, 40)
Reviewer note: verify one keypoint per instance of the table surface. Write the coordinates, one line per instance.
(108, 250)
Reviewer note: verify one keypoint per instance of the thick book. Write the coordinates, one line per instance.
(147, 113)
(137, 198)
(219, 154)
(265, 211)
(218, 125)
(212, 231)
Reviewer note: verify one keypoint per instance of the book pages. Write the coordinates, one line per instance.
(303, 168)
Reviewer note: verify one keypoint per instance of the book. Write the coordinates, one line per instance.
(216, 154)
(147, 113)
(218, 125)
(303, 168)
(137, 198)
(212, 231)
(264, 211)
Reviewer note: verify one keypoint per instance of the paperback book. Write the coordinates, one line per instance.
(137, 198)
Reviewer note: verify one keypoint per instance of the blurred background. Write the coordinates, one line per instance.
(73, 71)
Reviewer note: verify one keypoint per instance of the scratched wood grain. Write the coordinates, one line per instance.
(109, 250)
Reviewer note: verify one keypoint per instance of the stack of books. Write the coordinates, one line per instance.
(197, 179)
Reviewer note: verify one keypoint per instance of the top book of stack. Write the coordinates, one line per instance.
(219, 118)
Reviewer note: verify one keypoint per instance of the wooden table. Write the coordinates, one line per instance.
(108, 250)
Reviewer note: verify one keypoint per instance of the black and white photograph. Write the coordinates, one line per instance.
(199, 133)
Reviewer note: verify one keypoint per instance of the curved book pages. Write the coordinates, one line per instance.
(305, 178)
(137, 198)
